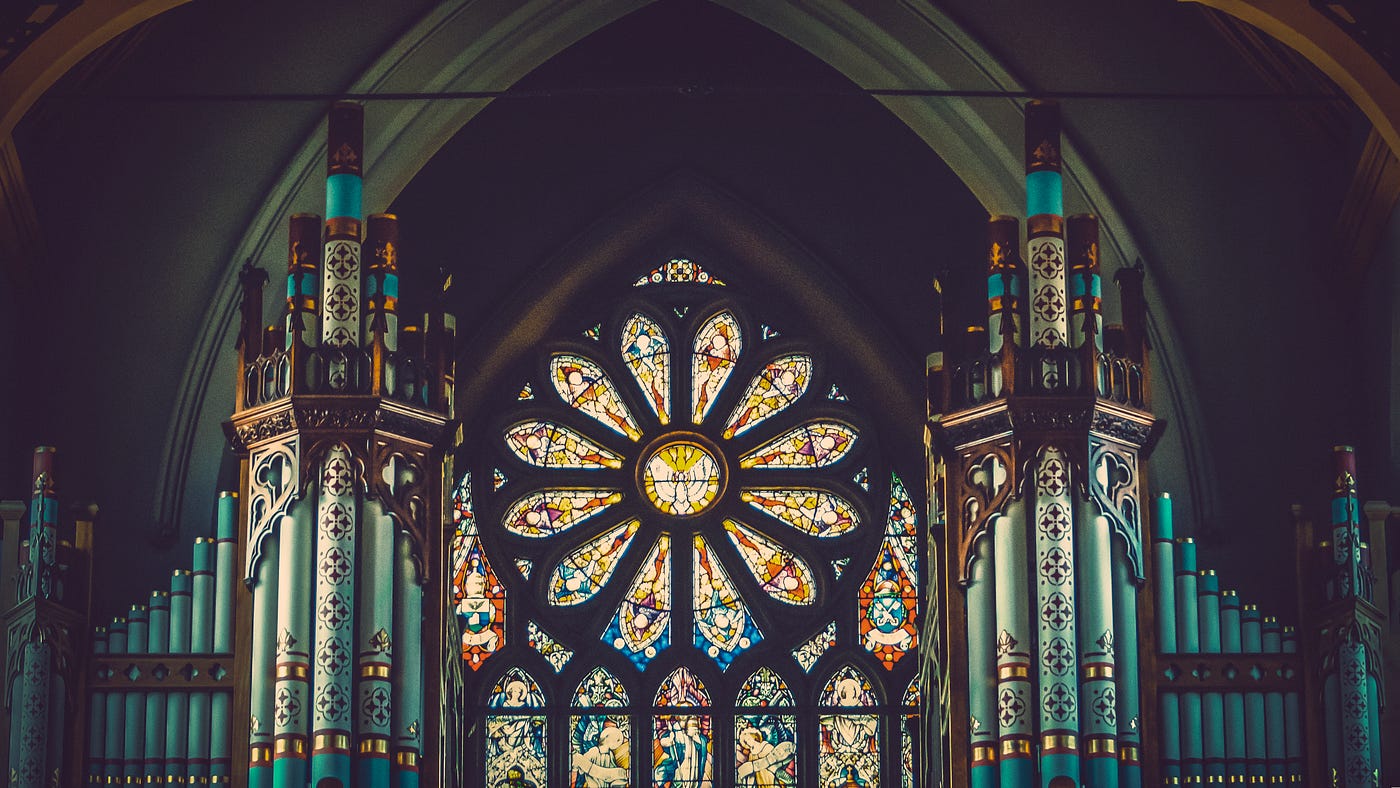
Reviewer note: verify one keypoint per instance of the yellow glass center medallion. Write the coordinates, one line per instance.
(681, 478)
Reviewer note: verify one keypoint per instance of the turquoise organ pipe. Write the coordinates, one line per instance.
(97, 717)
(1125, 637)
(1254, 719)
(1332, 723)
(1188, 641)
(407, 676)
(336, 518)
(1045, 233)
(1010, 558)
(982, 668)
(1097, 640)
(1230, 641)
(1056, 660)
(115, 726)
(1085, 284)
(225, 545)
(43, 528)
(1212, 703)
(134, 719)
(1346, 525)
(1170, 722)
(32, 716)
(340, 272)
(1275, 737)
(1356, 723)
(177, 704)
(201, 642)
(57, 707)
(375, 609)
(1165, 565)
(293, 671)
(263, 663)
(1373, 705)
(1293, 721)
(1005, 281)
(157, 641)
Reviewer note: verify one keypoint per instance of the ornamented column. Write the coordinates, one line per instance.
(1085, 284)
(337, 517)
(340, 282)
(375, 644)
(1045, 245)
(1055, 604)
(1006, 280)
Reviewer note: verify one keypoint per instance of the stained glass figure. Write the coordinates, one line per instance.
(546, 444)
(771, 391)
(550, 512)
(718, 344)
(682, 753)
(498, 479)
(768, 332)
(517, 749)
(600, 751)
(835, 394)
(779, 571)
(678, 270)
(555, 654)
(515, 690)
(763, 689)
(839, 565)
(593, 331)
(814, 445)
(641, 628)
(525, 566)
(862, 478)
(814, 647)
(477, 594)
(724, 628)
(589, 567)
(527, 391)
(682, 688)
(765, 750)
(681, 478)
(585, 386)
(889, 598)
(600, 689)
(814, 512)
(908, 739)
(849, 747)
(648, 355)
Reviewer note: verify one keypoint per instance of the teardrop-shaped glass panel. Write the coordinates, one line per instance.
(814, 445)
(724, 629)
(718, 344)
(546, 444)
(770, 392)
(587, 569)
(548, 512)
(585, 386)
(783, 575)
(815, 512)
(648, 355)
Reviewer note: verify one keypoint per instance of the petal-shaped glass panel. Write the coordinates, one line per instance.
(600, 689)
(718, 344)
(585, 386)
(642, 626)
(815, 512)
(682, 688)
(814, 647)
(783, 575)
(588, 568)
(648, 355)
(814, 445)
(724, 629)
(770, 392)
(548, 512)
(546, 444)
(764, 688)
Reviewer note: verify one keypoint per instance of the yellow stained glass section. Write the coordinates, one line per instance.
(718, 344)
(815, 512)
(588, 568)
(585, 386)
(548, 512)
(783, 575)
(648, 355)
(814, 445)
(681, 478)
(771, 392)
(546, 444)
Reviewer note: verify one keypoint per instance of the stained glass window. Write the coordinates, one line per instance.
(712, 570)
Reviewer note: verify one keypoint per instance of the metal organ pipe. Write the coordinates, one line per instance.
(374, 637)
(1125, 638)
(1097, 639)
(407, 675)
(201, 642)
(1212, 703)
(263, 666)
(221, 702)
(293, 671)
(1165, 585)
(158, 640)
(97, 718)
(115, 727)
(1230, 643)
(1254, 721)
(982, 667)
(333, 675)
(1011, 556)
(1188, 641)
(177, 708)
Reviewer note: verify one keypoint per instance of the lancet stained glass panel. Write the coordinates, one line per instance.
(666, 549)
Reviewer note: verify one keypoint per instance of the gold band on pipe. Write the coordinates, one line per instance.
(1101, 746)
(1098, 672)
(1059, 741)
(984, 753)
(375, 746)
(289, 746)
(1012, 747)
(330, 741)
(374, 672)
(1012, 672)
(406, 758)
(290, 670)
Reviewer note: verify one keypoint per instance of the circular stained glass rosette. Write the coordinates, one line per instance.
(681, 475)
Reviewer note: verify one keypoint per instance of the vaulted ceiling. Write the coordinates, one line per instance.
(1272, 343)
